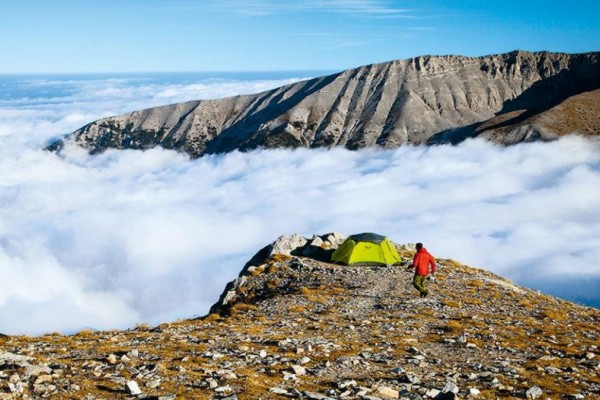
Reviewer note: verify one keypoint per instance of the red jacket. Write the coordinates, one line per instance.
(422, 261)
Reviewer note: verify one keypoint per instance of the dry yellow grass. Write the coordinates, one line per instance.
(554, 314)
(452, 303)
(243, 308)
(454, 327)
(279, 258)
(297, 308)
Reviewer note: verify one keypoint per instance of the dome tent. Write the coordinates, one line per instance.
(366, 248)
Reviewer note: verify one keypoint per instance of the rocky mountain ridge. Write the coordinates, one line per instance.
(422, 100)
(293, 325)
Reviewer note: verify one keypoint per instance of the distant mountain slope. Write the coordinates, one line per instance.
(423, 100)
(579, 114)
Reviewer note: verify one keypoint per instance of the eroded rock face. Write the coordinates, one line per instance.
(423, 100)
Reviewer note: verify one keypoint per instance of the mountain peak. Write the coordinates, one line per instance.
(423, 100)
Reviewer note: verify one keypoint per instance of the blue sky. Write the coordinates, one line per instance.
(260, 35)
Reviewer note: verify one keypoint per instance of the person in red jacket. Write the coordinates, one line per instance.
(421, 263)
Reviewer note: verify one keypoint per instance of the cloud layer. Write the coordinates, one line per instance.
(126, 237)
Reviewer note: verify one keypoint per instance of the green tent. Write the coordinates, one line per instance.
(366, 248)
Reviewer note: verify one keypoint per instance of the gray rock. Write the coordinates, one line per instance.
(317, 241)
(335, 239)
(224, 389)
(299, 370)
(387, 392)
(132, 388)
(316, 396)
(35, 370)
(450, 387)
(346, 383)
(133, 353)
(15, 359)
(277, 390)
(534, 392)
(286, 244)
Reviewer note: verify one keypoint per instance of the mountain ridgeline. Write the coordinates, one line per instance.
(507, 98)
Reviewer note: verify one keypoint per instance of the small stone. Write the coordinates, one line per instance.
(304, 360)
(167, 397)
(35, 370)
(153, 384)
(262, 354)
(212, 383)
(132, 388)
(316, 396)
(534, 392)
(43, 379)
(474, 392)
(15, 387)
(432, 393)
(133, 353)
(299, 370)
(226, 374)
(277, 390)
(589, 355)
(387, 392)
(346, 383)
(224, 389)
(112, 359)
(450, 388)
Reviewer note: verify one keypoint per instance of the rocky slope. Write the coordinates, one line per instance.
(420, 100)
(294, 326)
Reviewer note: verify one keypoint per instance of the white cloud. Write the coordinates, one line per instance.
(260, 8)
(125, 237)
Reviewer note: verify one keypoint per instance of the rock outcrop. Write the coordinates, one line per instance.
(506, 98)
(298, 327)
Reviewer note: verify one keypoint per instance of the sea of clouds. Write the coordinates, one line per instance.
(129, 237)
